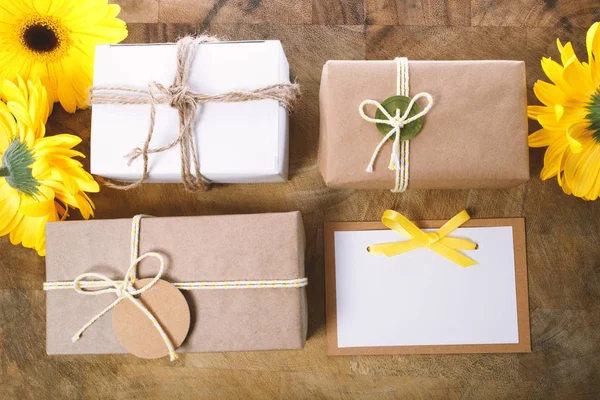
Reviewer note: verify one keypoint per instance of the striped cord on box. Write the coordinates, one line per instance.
(124, 289)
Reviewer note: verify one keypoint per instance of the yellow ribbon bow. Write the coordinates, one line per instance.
(437, 241)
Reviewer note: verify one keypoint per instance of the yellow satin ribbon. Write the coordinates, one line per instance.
(437, 241)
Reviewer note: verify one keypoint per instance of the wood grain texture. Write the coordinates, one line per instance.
(237, 11)
(535, 13)
(138, 10)
(562, 231)
(418, 12)
(338, 12)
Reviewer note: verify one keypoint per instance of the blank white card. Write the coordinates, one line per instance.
(420, 298)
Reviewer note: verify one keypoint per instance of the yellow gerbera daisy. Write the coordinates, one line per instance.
(570, 119)
(54, 40)
(39, 179)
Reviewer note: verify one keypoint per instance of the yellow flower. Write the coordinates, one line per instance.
(570, 118)
(54, 40)
(39, 179)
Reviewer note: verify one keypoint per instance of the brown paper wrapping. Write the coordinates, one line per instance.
(208, 248)
(475, 135)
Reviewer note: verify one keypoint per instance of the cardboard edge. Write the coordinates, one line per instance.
(521, 286)
(174, 43)
(282, 165)
(303, 298)
(330, 288)
(322, 150)
(527, 169)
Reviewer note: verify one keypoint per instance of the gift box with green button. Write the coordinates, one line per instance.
(403, 124)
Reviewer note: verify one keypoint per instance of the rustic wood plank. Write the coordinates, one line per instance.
(338, 12)
(514, 13)
(324, 386)
(138, 10)
(535, 13)
(441, 43)
(418, 12)
(204, 13)
(581, 13)
(190, 383)
(562, 231)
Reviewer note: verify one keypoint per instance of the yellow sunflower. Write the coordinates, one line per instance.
(570, 118)
(39, 179)
(54, 40)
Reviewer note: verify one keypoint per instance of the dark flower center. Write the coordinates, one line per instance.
(40, 38)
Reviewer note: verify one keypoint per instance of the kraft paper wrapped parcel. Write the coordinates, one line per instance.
(244, 142)
(474, 135)
(196, 249)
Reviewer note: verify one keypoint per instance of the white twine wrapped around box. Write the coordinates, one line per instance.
(399, 161)
(125, 289)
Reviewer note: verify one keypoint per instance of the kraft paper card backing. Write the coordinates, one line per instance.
(520, 273)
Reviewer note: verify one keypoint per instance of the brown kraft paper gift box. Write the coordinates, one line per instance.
(474, 136)
(207, 248)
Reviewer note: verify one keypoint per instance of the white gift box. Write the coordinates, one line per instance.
(243, 142)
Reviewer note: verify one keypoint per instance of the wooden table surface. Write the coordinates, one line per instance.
(562, 232)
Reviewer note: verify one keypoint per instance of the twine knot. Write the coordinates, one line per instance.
(181, 97)
(124, 290)
(397, 121)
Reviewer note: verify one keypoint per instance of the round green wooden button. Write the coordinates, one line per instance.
(391, 104)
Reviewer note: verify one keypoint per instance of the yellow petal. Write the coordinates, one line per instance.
(595, 190)
(6, 190)
(574, 132)
(579, 79)
(593, 50)
(587, 172)
(589, 40)
(554, 71)
(570, 169)
(533, 112)
(8, 209)
(86, 207)
(18, 232)
(39, 209)
(570, 116)
(552, 159)
(559, 111)
(62, 140)
(11, 224)
(548, 93)
(543, 137)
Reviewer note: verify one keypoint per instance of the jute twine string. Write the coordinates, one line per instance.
(399, 161)
(186, 101)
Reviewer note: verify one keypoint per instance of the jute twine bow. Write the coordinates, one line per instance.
(399, 160)
(100, 284)
(186, 101)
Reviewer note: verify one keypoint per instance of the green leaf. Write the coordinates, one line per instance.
(16, 168)
(593, 116)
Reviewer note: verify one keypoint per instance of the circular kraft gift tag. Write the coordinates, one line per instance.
(137, 334)
(391, 104)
